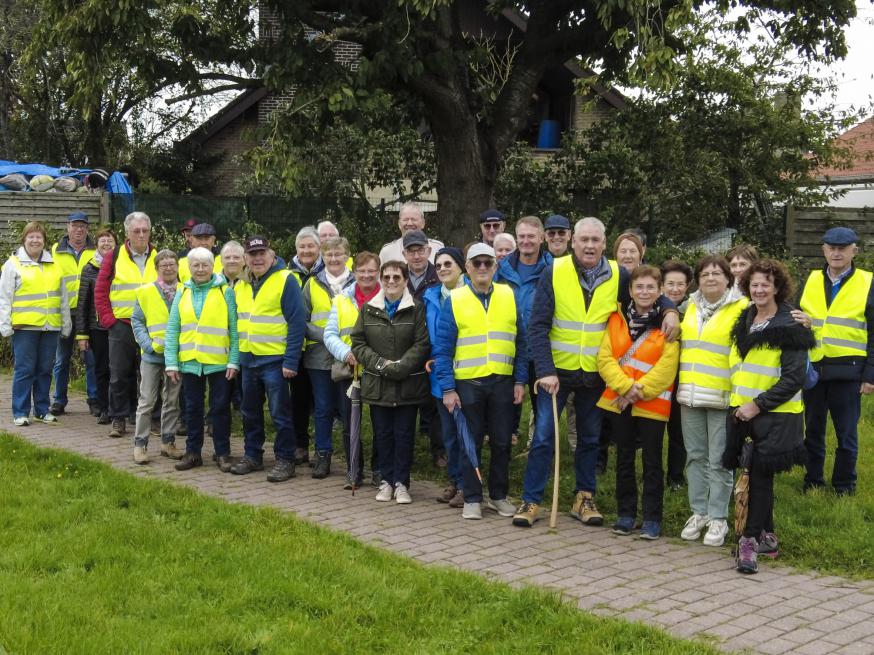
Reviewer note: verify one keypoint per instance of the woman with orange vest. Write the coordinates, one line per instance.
(34, 310)
(638, 366)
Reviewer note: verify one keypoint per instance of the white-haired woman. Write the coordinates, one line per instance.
(505, 244)
(232, 262)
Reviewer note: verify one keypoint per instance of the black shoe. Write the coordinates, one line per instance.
(93, 408)
(57, 409)
(118, 428)
(223, 462)
(188, 461)
(282, 470)
(246, 465)
(104, 419)
(322, 467)
(301, 456)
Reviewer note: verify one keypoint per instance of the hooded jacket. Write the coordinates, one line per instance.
(508, 271)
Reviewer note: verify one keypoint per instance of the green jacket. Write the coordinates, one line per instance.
(392, 352)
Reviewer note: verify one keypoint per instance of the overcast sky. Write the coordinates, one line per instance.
(855, 75)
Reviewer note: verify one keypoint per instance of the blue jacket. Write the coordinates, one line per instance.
(295, 315)
(508, 271)
(434, 303)
(447, 334)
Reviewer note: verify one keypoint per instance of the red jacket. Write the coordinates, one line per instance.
(101, 289)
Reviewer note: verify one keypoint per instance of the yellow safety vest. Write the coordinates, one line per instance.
(37, 302)
(755, 374)
(347, 317)
(126, 281)
(207, 339)
(321, 308)
(486, 342)
(840, 328)
(704, 356)
(72, 270)
(576, 332)
(156, 312)
(185, 268)
(260, 323)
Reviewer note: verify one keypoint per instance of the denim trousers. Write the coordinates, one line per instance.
(487, 405)
(327, 402)
(61, 372)
(709, 483)
(258, 383)
(98, 346)
(588, 422)
(628, 430)
(194, 388)
(394, 431)
(34, 353)
(842, 400)
(301, 407)
(153, 382)
(451, 444)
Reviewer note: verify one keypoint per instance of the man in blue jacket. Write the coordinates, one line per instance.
(272, 323)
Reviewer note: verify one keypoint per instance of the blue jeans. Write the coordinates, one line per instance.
(258, 382)
(326, 402)
(34, 353)
(451, 444)
(842, 400)
(61, 371)
(539, 466)
(194, 387)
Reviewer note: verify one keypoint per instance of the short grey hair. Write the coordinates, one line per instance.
(308, 232)
(200, 255)
(336, 243)
(165, 254)
(593, 222)
(136, 216)
(506, 236)
(324, 223)
(231, 245)
(415, 207)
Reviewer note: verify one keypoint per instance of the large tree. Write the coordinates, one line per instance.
(473, 89)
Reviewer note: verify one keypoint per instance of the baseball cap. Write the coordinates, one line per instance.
(557, 222)
(415, 238)
(77, 216)
(256, 242)
(189, 224)
(491, 215)
(480, 249)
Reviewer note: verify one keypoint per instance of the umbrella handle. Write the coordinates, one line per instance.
(428, 365)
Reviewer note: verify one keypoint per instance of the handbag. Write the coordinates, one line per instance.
(340, 371)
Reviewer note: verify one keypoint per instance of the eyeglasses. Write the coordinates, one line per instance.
(711, 274)
(170, 264)
(481, 263)
(392, 278)
(440, 265)
(675, 285)
(492, 226)
(556, 233)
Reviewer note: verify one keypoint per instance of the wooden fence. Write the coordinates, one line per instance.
(51, 209)
(805, 227)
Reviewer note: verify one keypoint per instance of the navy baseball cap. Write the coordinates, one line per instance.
(491, 215)
(77, 216)
(557, 222)
(840, 236)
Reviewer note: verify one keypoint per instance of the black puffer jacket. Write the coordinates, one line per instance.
(392, 352)
(85, 316)
(778, 436)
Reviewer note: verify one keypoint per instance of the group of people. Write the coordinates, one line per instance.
(457, 338)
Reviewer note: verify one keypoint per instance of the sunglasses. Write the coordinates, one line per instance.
(492, 226)
(481, 263)
(392, 278)
(440, 265)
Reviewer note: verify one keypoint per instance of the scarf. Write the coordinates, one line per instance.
(638, 323)
(706, 310)
(391, 307)
(167, 290)
(361, 297)
(97, 258)
(337, 282)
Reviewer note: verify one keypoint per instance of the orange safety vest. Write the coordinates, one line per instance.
(638, 362)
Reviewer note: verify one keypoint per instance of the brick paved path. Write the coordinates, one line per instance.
(688, 589)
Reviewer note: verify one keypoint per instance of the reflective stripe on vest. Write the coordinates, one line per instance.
(647, 351)
(37, 302)
(840, 328)
(486, 342)
(347, 317)
(321, 308)
(704, 356)
(205, 340)
(72, 271)
(185, 268)
(576, 331)
(260, 323)
(755, 374)
(157, 313)
(127, 279)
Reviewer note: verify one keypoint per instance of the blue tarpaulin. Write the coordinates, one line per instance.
(7, 168)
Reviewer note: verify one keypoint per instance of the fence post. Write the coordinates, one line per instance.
(105, 207)
(790, 228)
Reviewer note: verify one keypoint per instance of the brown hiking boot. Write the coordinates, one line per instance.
(140, 455)
(189, 461)
(585, 510)
(457, 500)
(170, 450)
(526, 515)
(447, 494)
(119, 427)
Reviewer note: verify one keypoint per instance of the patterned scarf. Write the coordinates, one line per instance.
(707, 309)
(638, 323)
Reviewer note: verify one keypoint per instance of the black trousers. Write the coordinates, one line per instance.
(676, 447)
(99, 344)
(123, 368)
(628, 430)
(301, 407)
(760, 511)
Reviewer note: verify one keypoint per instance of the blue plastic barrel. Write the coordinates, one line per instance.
(549, 135)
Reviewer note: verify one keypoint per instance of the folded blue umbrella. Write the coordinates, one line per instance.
(467, 444)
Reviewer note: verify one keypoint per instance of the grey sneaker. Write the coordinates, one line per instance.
(473, 511)
(246, 465)
(502, 506)
(282, 470)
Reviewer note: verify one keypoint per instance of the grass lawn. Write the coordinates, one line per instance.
(97, 561)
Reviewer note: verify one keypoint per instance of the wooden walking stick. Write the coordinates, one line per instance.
(553, 514)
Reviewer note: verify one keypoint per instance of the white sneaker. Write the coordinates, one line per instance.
(385, 492)
(21, 421)
(402, 496)
(503, 507)
(472, 511)
(47, 418)
(716, 533)
(140, 455)
(694, 526)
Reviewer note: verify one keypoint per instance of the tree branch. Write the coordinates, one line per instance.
(251, 84)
